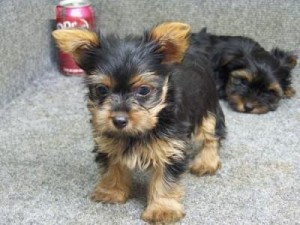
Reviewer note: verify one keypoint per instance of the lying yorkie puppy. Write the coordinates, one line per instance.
(148, 106)
(250, 78)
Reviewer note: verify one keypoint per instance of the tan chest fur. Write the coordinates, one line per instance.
(154, 152)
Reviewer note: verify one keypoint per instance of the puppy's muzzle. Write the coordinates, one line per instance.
(248, 107)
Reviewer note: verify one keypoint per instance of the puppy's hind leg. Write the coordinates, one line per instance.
(207, 160)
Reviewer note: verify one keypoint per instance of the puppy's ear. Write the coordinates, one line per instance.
(75, 41)
(286, 59)
(173, 40)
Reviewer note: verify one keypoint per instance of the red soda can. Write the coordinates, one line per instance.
(70, 14)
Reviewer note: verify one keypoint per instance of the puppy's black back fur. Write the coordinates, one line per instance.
(196, 93)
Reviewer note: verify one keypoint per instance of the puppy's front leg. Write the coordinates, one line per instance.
(114, 185)
(163, 198)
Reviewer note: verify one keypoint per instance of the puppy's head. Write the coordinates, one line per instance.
(252, 85)
(127, 78)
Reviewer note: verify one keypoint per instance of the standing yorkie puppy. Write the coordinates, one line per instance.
(148, 104)
(250, 78)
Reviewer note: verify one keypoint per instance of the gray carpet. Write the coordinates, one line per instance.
(47, 169)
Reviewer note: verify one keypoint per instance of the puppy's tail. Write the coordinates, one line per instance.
(201, 40)
(202, 34)
(203, 31)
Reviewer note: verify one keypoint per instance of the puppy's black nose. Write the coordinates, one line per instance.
(248, 107)
(120, 121)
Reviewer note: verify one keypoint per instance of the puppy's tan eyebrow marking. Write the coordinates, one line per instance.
(242, 74)
(142, 79)
(100, 79)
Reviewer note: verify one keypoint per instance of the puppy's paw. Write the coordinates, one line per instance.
(157, 213)
(202, 167)
(109, 196)
(289, 92)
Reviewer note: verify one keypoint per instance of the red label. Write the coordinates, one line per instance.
(67, 18)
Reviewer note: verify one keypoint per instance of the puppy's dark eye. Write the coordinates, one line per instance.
(244, 82)
(236, 81)
(239, 81)
(143, 91)
(273, 93)
(102, 90)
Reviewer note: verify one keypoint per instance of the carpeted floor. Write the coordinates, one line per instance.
(47, 170)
